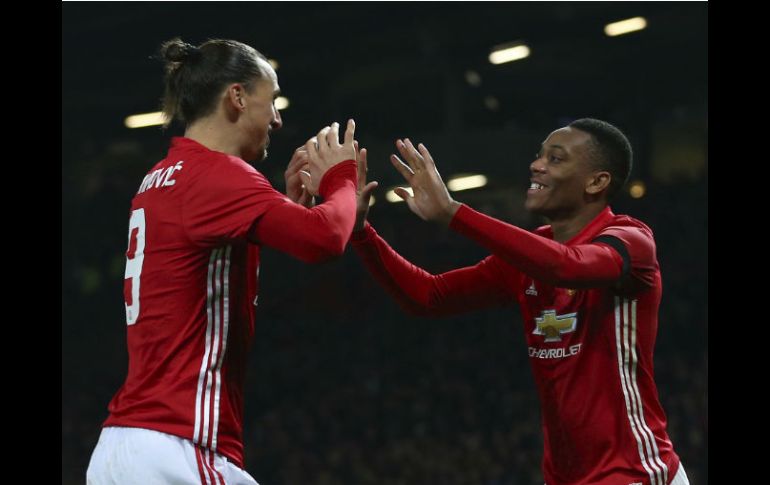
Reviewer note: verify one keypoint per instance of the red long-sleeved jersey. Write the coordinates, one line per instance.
(590, 311)
(196, 226)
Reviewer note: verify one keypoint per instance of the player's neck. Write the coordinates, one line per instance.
(566, 228)
(209, 133)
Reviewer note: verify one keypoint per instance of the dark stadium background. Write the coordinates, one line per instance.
(344, 388)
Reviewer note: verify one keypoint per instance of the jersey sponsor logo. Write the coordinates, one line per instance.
(553, 326)
(557, 353)
(531, 290)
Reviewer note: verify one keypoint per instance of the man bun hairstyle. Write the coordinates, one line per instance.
(196, 75)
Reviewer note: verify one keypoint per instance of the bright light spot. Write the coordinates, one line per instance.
(625, 26)
(637, 189)
(466, 182)
(145, 119)
(503, 54)
(391, 195)
(281, 102)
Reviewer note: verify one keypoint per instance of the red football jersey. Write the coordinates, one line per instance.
(191, 283)
(590, 341)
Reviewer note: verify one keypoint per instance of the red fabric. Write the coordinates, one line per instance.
(316, 234)
(590, 339)
(422, 293)
(195, 274)
(566, 265)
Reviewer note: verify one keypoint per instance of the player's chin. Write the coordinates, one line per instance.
(256, 156)
(260, 153)
(537, 207)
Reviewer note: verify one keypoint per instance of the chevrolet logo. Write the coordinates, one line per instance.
(552, 326)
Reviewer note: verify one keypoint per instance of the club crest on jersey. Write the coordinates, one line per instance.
(552, 326)
(531, 290)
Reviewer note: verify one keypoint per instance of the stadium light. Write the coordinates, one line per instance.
(391, 195)
(625, 26)
(281, 102)
(637, 189)
(508, 53)
(466, 182)
(145, 119)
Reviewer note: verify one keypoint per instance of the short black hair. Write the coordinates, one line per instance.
(611, 150)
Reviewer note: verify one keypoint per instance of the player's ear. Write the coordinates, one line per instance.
(236, 96)
(597, 182)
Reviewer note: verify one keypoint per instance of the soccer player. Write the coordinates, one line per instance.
(197, 223)
(588, 286)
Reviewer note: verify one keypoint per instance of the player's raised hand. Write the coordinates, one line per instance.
(295, 189)
(431, 200)
(324, 151)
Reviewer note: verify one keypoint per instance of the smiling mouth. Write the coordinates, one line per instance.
(536, 186)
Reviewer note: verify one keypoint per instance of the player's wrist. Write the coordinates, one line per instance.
(448, 212)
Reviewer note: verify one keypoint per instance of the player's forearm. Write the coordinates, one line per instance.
(580, 266)
(333, 220)
(421, 293)
(409, 285)
(317, 234)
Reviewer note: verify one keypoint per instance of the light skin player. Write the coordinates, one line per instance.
(197, 224)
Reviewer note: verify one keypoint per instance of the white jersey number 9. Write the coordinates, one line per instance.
(134, 261)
